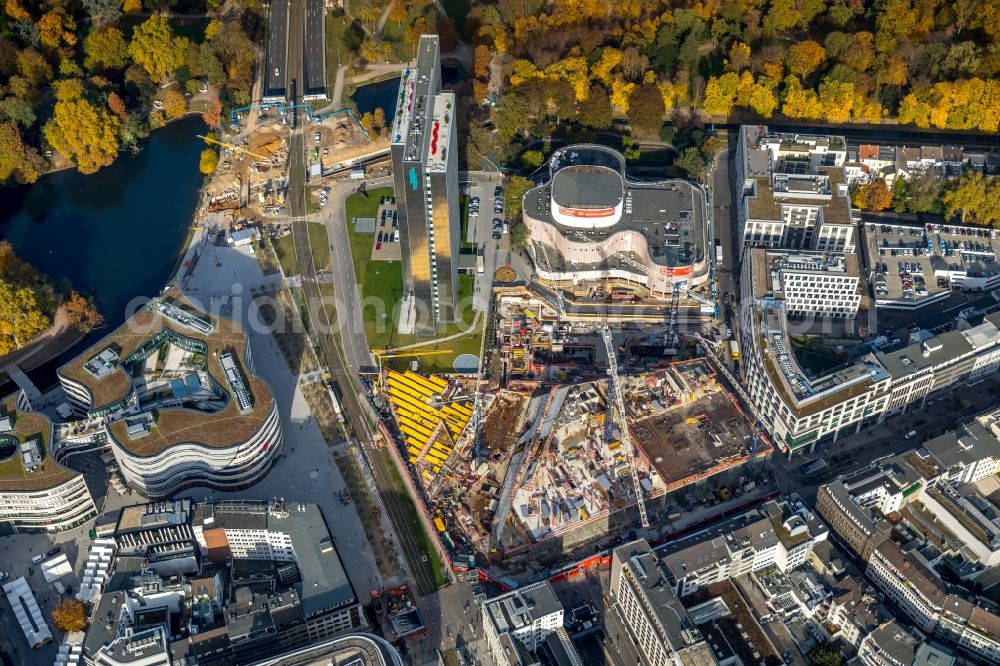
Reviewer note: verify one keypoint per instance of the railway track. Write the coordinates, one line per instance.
(356, 418)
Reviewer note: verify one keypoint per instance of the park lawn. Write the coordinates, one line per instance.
(284, 249)
(337, 51)
(433, 563)
(381, 290)
(319, 243)
(395, 32)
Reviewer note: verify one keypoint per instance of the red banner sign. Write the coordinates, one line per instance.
(586, 212)
(683, 271)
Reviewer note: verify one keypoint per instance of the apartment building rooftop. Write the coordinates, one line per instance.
(416, 96)
(768, 266)
(967, 444)
(442, 124)
(324, 583)
(796, 169)
(894, 641)
(934, 350)
(863, 518)
(522, 607)
(237, 594)
(805, 393)
(916, 572)
(648, 575)
(25, 460)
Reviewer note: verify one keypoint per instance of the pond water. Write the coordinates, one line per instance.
(116, 234)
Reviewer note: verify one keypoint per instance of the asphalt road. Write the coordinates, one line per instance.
(314, 78)
(349, 320)
(275, 77)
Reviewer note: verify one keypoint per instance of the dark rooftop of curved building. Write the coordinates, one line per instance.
(669, 214)
(587, 186)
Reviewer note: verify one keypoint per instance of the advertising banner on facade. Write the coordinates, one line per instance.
(586, 212)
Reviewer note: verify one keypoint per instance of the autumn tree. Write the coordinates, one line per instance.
(825, 654)
(532, 158)
(15, 156)
(34, 67)
(86, 134)
(55, 28)
(595, 111)
(132, 6)
(398, 12)
(514, 194)
(368, 12)
(975, 197)
(116, 105)
(208, 162)
(106, 48)
(739, 57)
(720, 94)
(213, 112)
(70, 616)
(761, 98)
(174, 104)
(805, 58)
(155, 47)
(368, 122)
(692, 163)
(481, 59)
(83, 313)
(783, 15)
(800, 102)
(19, 110)
(645, 110)
(21, 316)
(102, 12)
(875, 196)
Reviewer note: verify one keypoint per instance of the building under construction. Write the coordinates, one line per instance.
(555, 472)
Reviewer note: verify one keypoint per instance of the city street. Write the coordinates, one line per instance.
(345, 315)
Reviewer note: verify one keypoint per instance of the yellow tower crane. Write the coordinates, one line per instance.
(226, 144)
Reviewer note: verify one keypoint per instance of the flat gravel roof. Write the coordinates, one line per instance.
(587, 187)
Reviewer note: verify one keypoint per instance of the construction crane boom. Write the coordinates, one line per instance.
(226, 144)
(619, 403)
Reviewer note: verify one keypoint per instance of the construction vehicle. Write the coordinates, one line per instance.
(619, 403)
(231, 146)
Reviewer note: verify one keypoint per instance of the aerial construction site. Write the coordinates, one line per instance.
(554, 470)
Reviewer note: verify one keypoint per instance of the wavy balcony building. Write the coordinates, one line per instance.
(179, 401)
(37, 494)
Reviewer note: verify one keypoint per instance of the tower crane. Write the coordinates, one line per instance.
(231, 146)
(619, 403)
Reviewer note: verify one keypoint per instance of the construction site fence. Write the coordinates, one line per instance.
(418, 497)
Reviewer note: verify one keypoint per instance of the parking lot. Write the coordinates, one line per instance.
(18, 550)
(914, 263)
